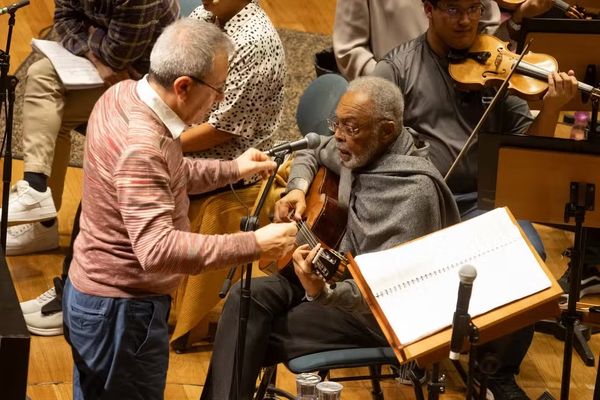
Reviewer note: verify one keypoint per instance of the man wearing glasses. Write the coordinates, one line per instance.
(392, 195)
(444, 116)
(135, 245)
(365, 31)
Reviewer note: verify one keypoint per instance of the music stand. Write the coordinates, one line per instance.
(491, 325)
(513, 172)
(14, 340)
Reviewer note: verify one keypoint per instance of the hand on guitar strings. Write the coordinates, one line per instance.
(291, 206)
(303, 266)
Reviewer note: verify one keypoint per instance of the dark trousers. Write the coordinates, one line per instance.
(510, 349)
(120, 346)
(282, 325)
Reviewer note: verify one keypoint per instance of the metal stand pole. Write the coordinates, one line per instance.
(247, 224)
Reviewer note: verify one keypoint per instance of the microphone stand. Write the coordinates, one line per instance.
(247, 224)
(487, 365)
(8, 83)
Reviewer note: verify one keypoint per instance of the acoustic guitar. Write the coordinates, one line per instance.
(325, 223)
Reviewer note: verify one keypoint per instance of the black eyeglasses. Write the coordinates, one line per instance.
(473, 12)
(220, 91)
(334, 124)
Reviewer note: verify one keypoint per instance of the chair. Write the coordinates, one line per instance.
(373, 358)
(186, 7)
(318, 102)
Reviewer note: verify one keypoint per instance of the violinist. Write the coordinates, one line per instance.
(444, 116)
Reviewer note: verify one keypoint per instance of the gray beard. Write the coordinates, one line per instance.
(360, 160)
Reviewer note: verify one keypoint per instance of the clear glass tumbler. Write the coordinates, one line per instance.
(329, 390)
(306, 386)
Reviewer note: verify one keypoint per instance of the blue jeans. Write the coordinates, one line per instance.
(120, 346)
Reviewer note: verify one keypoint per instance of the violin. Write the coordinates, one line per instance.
(489, 62)
(575, 12)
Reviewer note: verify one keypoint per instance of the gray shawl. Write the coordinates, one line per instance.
(399, 197)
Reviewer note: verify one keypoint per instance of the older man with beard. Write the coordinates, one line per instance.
(392, 195)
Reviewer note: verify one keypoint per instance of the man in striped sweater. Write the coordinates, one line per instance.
(134, 245)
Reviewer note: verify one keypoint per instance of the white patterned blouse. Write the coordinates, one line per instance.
(253, 100)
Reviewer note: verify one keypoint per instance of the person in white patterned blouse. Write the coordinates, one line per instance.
(253, 103)
(246, 117)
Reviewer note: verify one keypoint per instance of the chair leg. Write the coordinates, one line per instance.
(376, 392)
(269, 375)
(267, 389)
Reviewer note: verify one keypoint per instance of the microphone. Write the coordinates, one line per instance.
(310, 141)
(13, 7)
(460, 322)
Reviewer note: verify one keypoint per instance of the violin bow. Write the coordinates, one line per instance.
(485, 115)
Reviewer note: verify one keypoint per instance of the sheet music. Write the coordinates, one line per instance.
(75, 72)
(416, 284)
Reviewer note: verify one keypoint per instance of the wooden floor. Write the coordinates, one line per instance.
(50, 360)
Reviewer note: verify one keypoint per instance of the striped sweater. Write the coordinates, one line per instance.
(135, 238)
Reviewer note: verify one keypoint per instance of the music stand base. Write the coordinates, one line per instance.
(546, 396)
(582, 335)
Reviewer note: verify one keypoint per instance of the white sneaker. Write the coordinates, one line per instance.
(44, 325)
(31, 238)
(25, 204)
(35, 305)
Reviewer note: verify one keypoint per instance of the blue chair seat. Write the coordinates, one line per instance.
(372, 357)
(347, 358)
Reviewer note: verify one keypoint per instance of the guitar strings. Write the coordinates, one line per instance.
(306, 234)
(310, 238)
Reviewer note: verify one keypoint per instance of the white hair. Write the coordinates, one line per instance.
(187, 47)
(388, 102)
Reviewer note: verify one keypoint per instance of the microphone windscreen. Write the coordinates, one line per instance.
(313, 140)
(467, 273)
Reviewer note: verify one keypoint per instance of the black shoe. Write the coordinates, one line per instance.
(504, 387)
(590, 281)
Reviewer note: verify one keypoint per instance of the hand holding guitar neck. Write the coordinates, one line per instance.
(303, 266)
